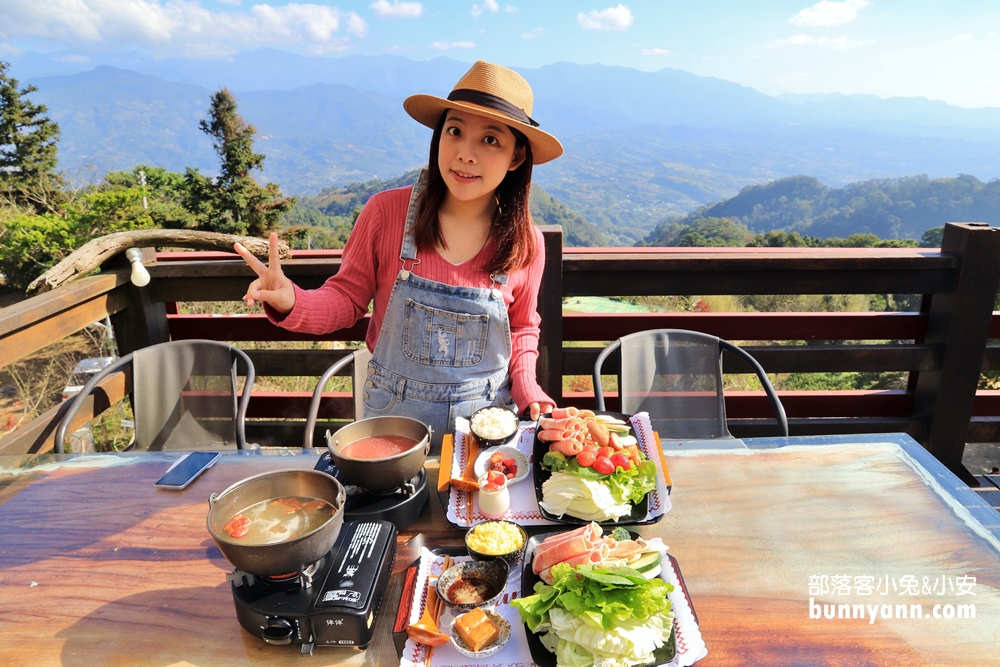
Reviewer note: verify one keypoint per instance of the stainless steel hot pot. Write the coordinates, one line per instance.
(283, 557)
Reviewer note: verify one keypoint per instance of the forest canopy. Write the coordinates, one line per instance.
(889, 208)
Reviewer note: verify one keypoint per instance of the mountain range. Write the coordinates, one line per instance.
(640, 146)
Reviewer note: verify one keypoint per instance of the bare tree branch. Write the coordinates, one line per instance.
(95, 252)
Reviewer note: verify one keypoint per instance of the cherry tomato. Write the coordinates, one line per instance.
(586, 458)
(621, 461)
(604, 466)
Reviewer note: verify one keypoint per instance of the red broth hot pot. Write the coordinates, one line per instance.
(380, 453)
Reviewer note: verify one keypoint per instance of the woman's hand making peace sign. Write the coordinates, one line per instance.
(271, 286)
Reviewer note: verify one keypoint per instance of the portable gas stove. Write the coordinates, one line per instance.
(402, 505)
(333, 602)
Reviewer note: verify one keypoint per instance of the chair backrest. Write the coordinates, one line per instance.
(676, 376)
(185, 395)
(359, 358)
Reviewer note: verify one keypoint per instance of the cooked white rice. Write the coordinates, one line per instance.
(494, 423)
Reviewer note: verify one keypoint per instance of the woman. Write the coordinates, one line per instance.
(453, 264)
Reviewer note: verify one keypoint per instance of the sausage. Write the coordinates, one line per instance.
(599, 432)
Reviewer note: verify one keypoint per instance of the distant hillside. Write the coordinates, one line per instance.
(891, 208)
(640, 146)
(314, 136)
(545, 210)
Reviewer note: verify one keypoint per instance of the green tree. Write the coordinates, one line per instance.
(233, 202)
(28, 151)
(32, 244)
(932, 237)
(165, 191)
(715, 232)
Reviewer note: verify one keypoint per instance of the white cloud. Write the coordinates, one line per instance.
(612, 18)
(534, 33)
(488, 5)
(445, 46)
(177, 26)
(842, 42)
(11, 49)
(397, 9)
(827, 13)
(655, 52)
(72, 59)
(991, 34)
(232, 3)
(962, 37)
(510, 9)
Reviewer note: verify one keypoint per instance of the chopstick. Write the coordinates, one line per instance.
(436, 612)
(466, 442)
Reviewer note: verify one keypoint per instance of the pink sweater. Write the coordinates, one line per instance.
(369, 268)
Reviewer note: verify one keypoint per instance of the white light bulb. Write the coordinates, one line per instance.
(140, 276)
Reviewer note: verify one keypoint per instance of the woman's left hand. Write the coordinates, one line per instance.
(536, 409)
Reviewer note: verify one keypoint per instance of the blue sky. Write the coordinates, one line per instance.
(932, 48)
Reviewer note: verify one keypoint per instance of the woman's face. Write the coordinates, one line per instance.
(474, 155)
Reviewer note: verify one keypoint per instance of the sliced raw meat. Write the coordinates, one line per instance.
(595, 556)
(566, 447)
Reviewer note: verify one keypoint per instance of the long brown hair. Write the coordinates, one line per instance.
(512, 227)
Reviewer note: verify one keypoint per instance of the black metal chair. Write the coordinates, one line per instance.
(359, 358)
(184, 395)
(676, 376)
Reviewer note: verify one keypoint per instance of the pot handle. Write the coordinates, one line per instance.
(212, 498)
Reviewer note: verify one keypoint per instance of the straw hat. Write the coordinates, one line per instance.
(495, 92)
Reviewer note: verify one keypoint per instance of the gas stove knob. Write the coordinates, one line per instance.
(278, 631)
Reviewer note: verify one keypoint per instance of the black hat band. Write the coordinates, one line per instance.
(491, 102)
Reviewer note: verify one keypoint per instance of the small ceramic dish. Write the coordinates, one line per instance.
(490, 575)
(511, 557)
(509, 452)
(495, 440)
(502, 625)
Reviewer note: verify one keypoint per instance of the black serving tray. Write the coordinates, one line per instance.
(637, 517)
(545, 658)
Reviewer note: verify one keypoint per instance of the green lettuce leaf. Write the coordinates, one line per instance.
(603, 597)
(626, 485)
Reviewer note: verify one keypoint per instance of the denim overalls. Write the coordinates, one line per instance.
(443, 350)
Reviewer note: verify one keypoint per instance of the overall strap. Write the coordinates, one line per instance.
(408, 249)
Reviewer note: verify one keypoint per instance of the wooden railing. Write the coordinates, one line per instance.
(943, 348)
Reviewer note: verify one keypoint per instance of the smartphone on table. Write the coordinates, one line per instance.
(186, 469)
